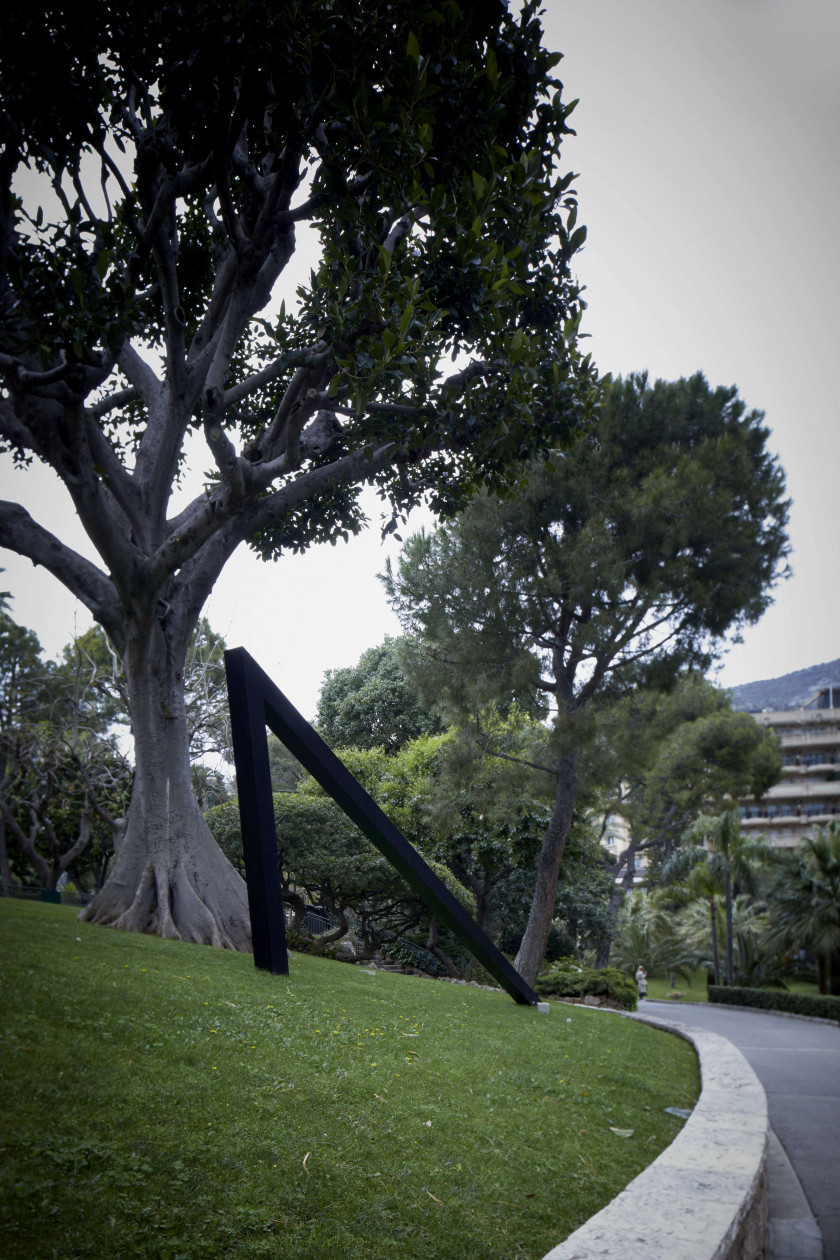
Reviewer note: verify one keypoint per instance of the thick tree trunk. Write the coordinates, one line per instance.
(833, 985)
(617, 896)
(170, 878)
(5, 868)
(440, 953)
(322, 943)
(298, 908)
(715, 952)
(730, 944)
(534, 942)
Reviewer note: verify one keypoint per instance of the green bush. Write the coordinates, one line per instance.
(299, 940)
(569, 966)
(588, 982)
(819, 1007)
(401, 953)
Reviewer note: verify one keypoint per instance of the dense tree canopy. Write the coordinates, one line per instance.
(624, 559)
(157, 162)
(64, 782)
(665, 757)
(805, 902)
(373, 704)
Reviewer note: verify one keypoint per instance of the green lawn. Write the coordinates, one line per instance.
(693, 992)
(696, 990)
(168, 1101)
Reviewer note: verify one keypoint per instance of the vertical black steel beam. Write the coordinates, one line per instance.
(266, 704)
(256, 813)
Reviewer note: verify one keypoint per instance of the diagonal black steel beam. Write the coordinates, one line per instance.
(255, 702)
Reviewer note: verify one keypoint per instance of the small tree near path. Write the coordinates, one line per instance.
(157, 162)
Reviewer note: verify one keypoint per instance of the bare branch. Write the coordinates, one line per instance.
(522, 761)
(25, 378)
(143, 379)
(259, 379)
(231, 466)
(112, 403)
(20, 533)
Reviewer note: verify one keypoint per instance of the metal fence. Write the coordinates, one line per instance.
(318, 925)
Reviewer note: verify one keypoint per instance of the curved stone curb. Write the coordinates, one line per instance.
(705, 1197)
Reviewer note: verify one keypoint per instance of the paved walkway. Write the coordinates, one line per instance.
(798, 1063)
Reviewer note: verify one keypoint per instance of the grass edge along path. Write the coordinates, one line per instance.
(692, 988)
(170, 1102)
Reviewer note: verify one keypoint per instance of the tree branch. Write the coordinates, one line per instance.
(112, 402)
(522, 761)
(20, 533)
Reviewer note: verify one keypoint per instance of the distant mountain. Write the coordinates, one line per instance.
(790, 691)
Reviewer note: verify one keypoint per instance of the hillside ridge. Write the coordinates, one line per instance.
(790, 691)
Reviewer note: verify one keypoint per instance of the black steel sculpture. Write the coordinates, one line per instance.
(255, 702)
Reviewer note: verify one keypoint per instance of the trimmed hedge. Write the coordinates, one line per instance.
(817, 1006)
(561, 981)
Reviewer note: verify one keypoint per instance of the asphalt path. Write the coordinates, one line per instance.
(798, 1063)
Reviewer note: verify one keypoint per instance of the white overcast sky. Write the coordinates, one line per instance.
(708, 151)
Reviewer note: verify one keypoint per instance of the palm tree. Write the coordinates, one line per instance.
(757, 966)
(209, 785)
(646, 933)
(721, 858)
(805, 902)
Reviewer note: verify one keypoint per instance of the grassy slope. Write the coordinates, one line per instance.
(168, 1101)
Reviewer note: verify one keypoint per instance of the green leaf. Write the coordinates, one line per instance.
(412, 47)
(576, 239)
(479, 184)
(78, 281)
(384, 261)
(405, 321)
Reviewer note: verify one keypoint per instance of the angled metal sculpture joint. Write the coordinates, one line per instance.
(255, 703)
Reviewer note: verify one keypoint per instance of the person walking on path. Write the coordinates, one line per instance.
(641, 981)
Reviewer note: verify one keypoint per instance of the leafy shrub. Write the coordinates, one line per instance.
(421, 959)
(560, 981)
(300, 941)
(817, 1006)
(565, 963)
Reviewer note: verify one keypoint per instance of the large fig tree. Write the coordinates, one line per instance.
(157, 161)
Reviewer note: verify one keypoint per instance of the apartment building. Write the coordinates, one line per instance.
(808, 794)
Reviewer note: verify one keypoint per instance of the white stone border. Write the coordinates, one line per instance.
(705, 1197)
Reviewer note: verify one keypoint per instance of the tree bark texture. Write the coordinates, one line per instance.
(730, 944)
(533, 946)
(5, 868)
(440, 953)
(715, 952)
(170, 878)
(616, 901)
